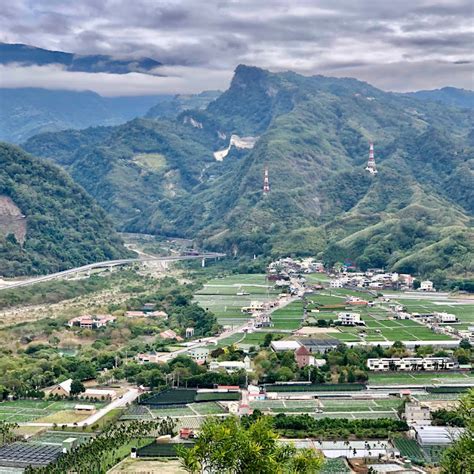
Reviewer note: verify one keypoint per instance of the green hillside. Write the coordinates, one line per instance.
(47, 222)
(313, 134)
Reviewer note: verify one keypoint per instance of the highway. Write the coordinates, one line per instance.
(107, 264)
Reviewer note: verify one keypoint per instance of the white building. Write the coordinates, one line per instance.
(417, 414)
(337, 283)
(446, 317)
(282, 346)
(148, 358)
(411, 363)
(427, 285)
(199, 354)
(349, 319)
(231, 365)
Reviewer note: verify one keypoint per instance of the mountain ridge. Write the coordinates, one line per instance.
(313, 136)
(26, 55)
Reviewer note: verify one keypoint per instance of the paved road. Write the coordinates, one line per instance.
(107, 264)
(128, 397)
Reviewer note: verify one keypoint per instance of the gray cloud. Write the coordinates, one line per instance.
(400, 45)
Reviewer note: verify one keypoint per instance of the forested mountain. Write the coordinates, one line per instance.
(25, 112)
(313, 134)
(26, 55)
(451, 96)
(47, 222)
(182, 102)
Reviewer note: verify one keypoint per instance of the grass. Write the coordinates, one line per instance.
(62, 417)
(153, 161)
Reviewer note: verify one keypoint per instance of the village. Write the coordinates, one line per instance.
(300, 344)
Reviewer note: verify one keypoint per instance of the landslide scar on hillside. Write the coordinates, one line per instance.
(12, 221)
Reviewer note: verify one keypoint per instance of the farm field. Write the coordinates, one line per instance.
(336, 408)
(256, 338)
(289, 317)
(191, 409)
(410, 449)
(408, 378)
(335, 466)
(23, 411)
(57, 437)
(219, 295)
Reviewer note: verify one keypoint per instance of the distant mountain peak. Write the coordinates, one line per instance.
(17, 53)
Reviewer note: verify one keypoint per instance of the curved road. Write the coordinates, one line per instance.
(108, 264)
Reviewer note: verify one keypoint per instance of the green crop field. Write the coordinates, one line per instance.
(410, 449)
(335, 466)
(256, 338)
(23, 411)
(409, 378)
(164, 412)
(219, 295)
(289, 317)
(207, 408)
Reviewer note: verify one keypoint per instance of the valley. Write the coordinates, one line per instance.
(289, 259)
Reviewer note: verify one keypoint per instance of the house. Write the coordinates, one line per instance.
(353, 300)
(426, 285)
(135, 314)
(148, 358)
(411, 363)
(99, 394)
(91, 322)
(199, 354)
(337, 283)
(254, 306)
(62, 389)
(444, 318)
(84, 409)
(170, 334)
(349, 319)
(189, 332)
(282, 346)
(147, 307)
(303, 357)
(417, 413)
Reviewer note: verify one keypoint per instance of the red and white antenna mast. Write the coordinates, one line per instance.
(371, 168)
(266, 182)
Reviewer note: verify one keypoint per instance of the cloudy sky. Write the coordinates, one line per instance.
(394, 44)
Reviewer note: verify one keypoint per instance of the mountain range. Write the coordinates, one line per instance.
(25, 55)
(312, 133)
(25, 112)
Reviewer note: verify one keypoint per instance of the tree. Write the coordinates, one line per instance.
(235, 447)
(6, 431)
(459, 457)
(77, 387)
(267, 340)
